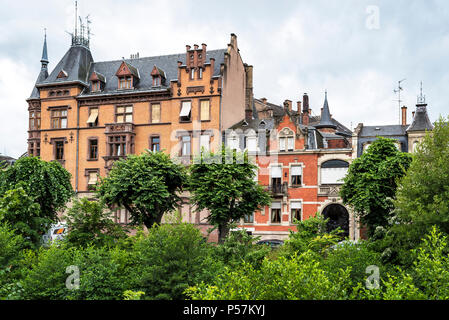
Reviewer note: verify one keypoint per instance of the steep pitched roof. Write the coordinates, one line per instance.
(76, 63)
(421, 120)
(325, 119)
(166, 63)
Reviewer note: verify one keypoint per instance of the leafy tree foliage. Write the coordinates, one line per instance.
(24, 215)
(147, 185)
(90, 223)
(371, 182)
(423, 194)
(171, 258)
(47, 183)
(298, 278)
(225, 186)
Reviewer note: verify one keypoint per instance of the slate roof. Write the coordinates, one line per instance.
(421, 120)
(79, 65)
(388, 130)
(167, 63)
(325, 119)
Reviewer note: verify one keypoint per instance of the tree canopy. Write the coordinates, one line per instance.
(371, 182)
(47, 183)
(147, 185)
(225, 186)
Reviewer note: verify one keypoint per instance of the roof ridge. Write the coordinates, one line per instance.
(149, 57)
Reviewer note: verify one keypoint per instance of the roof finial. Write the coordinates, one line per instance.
(421, 97)
(44, 60)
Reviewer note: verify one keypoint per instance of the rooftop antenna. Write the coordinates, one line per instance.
(398, 91)
(88, 22)
(76, 18)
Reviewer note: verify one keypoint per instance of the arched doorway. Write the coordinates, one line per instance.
(338, 217)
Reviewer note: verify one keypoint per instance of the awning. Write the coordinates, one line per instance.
(185, 110)
(93, 116)
(296, 171)
(275, 205)
(276, 172)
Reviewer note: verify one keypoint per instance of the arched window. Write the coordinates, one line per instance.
(286, 140)
(333, 171)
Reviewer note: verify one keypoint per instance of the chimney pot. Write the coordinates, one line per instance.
(195, 46)
(305, 102)
(264, 100)
(404, 115)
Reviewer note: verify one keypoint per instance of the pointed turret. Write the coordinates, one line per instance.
(43, 74)
(421, 120)
(326, 120)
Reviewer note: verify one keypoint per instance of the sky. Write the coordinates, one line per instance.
(357, 50)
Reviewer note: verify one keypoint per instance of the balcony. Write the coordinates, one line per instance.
(126, 127)
(278, 190)
(329, 191)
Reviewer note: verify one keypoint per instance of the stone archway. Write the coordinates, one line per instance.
(338, 217)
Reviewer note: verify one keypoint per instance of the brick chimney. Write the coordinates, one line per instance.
(404, 115)
(305, 109)
(249, 92)
(288, 105)
(298, 106)
(264, 100)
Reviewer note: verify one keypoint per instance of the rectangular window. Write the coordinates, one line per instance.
(93, 149)
(95, 86)
(156, 81)
(276, 179)
(249, 218)
(252, 144)
(92, 178)
(155, 144)
(124, 114)
(276, 212)
(205, 110)
(200, 73)
(59, 150)
(125, 82)
(281, 144)
(290, 144)
(296, 174)
(59, 118)
(192, 73)
(155, 113)
(117, 146)
(38, 149)
(186, 111)
(205, 142)
(295, 211)
(92, 121)
(185, 145)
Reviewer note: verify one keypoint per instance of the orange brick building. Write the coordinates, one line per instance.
(87, 114)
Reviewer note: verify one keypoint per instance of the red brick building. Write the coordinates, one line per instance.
(301, 160)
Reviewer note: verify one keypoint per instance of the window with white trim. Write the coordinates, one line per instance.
(276, 212)
(296, 211)
(296, 175)
(333, 171)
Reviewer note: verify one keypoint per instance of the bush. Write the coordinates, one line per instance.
(171, 258)
(300, 277)
(89, 223)
(240, 247)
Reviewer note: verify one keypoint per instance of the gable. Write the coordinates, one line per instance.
(62, 74)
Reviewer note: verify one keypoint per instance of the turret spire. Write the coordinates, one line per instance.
(44, 60)
(326, 120)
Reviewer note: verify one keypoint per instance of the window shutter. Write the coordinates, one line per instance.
(295, 205)
(276, 172)
(156, 113)
(185, 110)
(290, 143)
(333, 175)
(275, 205)
(296, 171)
(205, 110)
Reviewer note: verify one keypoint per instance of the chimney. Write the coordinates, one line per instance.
(288, 105)
(264, 100)
(179, 71)
(404, 115)
(305, 109)
(195, 46)
(413, 114)
(188, 62)
(298, 106)
(203, 53)
(305, 102)
(234, 41)
(249, 92)
(212, 66)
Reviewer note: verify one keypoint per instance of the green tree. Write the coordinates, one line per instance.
(171, 258)
(223, 183)
(423, 194)
(371, 182)
(90, 223)
(47, 183)
(24, 215)
(147, 185)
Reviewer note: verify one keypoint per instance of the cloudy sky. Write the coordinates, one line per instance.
(358, 50)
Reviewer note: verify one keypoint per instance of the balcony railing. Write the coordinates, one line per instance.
(329, 190)
(278, 189)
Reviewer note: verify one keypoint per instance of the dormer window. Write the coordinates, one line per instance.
(156, 81)
(95, 86)
(158, 76)
(286, 140)
(128, 76)
(125, 82)
(62, 74)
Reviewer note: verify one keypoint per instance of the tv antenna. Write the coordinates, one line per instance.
(398, 91)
